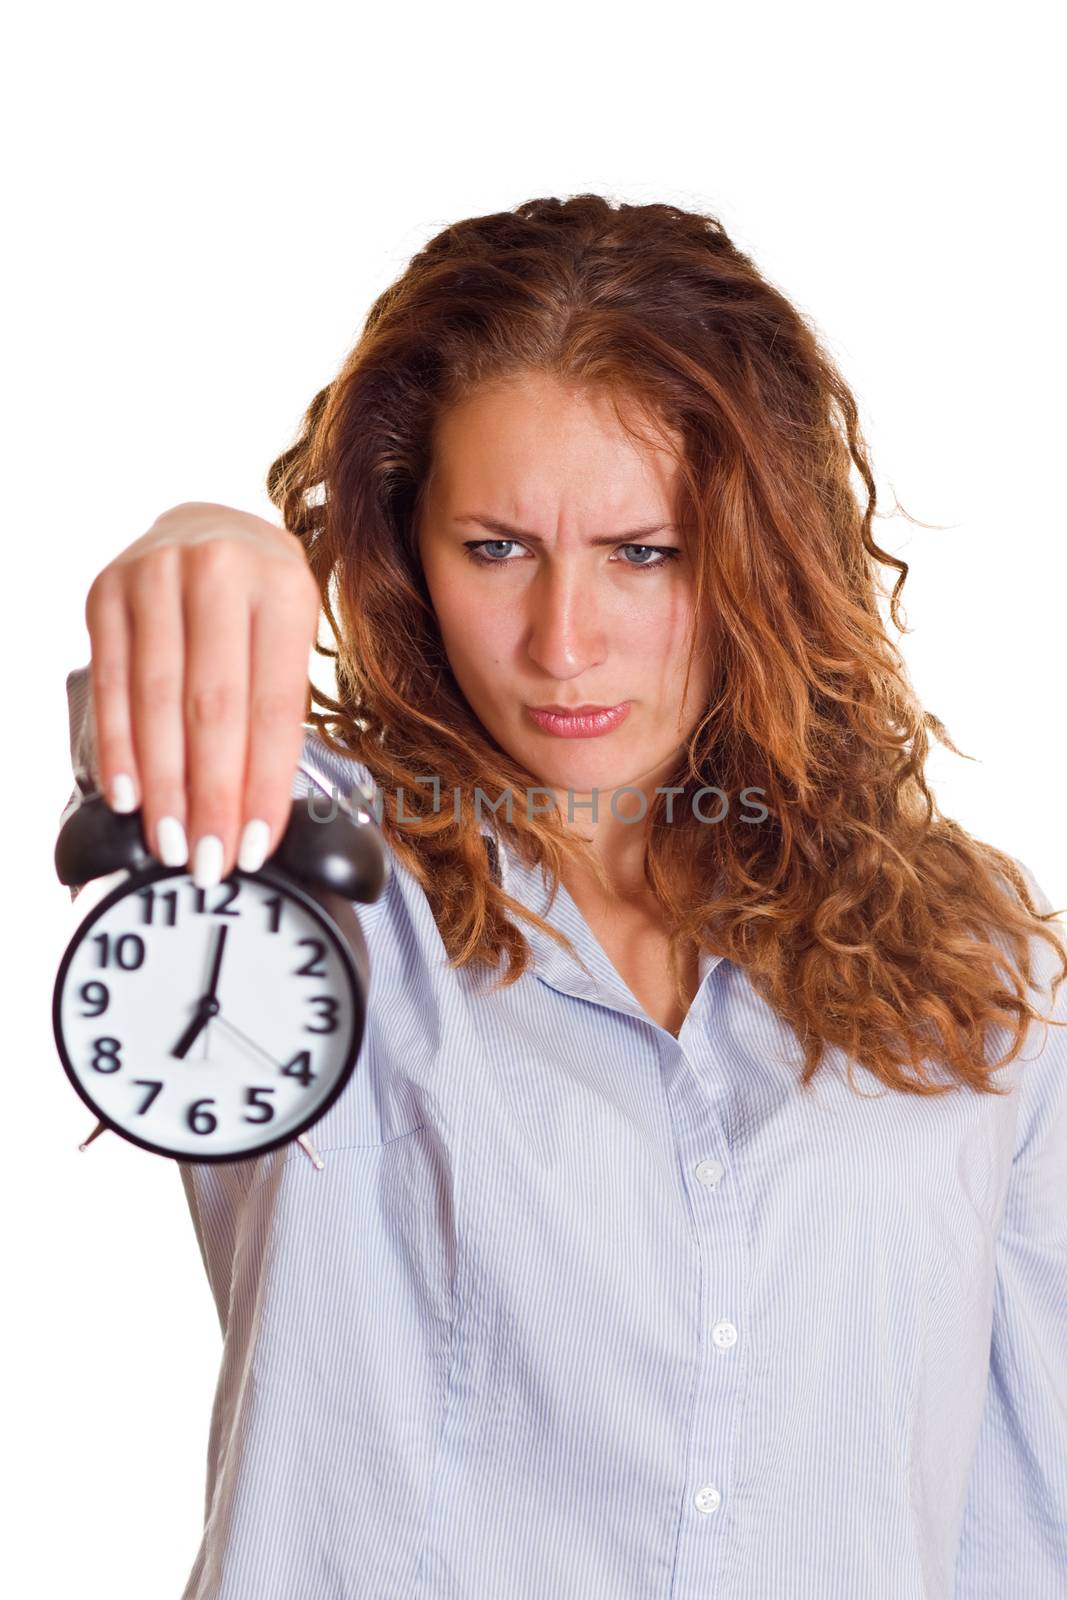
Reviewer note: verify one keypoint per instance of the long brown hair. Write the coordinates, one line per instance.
(864, 917)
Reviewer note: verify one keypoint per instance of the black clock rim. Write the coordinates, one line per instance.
(317, 902)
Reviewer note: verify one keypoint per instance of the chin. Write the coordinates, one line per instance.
(581, 776)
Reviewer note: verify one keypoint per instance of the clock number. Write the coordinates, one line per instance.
(153, 1085)
(202, 1121)
(312, 967)
(273, 904)
(260, 1105)
(94, 994)
(330, 1013)
(300, 1067)
(169, 900)
(128, 950)
(106, 1054)
(231, 888)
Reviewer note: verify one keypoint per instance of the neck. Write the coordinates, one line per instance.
(618, 834)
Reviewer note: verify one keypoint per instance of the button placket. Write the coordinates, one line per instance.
(700, 1121)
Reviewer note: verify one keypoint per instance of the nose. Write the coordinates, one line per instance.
(566, 634)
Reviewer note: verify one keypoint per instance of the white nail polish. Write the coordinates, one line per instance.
(207, 861)
(252, 851)
(173, 846)
(122, 795)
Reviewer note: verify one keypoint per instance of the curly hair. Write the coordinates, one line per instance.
(865, 918)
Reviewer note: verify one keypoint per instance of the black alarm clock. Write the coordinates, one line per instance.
(211, 1025)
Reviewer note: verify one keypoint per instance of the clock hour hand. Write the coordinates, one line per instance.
(207, 1006)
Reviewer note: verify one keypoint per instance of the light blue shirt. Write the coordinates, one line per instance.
(578, 1310)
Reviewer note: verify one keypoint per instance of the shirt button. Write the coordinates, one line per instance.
(710, 1171)
(724, 1334)
(707, 1498)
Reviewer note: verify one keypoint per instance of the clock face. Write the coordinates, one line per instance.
(208, 1024)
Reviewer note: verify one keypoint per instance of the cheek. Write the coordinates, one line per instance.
(655, 636)
(454, 604)
(478, 638)
(653, 611)
(656, 648)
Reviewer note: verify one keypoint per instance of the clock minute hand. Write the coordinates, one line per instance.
(233, 1028)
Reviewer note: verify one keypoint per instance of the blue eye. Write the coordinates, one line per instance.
(473, 548)
(666, 551)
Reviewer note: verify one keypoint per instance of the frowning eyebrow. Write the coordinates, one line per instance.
(631, 535)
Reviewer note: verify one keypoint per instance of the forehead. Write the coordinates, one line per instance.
(533, 451)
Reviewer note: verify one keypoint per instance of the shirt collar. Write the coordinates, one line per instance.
(598, 976)
(551, 963)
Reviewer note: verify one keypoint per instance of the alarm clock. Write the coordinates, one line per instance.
(210, 1025)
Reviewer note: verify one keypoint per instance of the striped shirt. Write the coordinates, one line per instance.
(581, 1310)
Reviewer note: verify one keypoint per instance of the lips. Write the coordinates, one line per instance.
(586, 710)
(579, 722)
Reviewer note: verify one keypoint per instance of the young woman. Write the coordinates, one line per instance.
(695, 1222)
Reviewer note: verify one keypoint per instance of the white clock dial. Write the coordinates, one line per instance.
(136, 1029)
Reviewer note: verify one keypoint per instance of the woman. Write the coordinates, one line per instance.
(695, 1222)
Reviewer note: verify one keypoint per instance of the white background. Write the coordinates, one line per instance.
(202, 202)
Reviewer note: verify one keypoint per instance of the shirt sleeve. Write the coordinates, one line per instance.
(82, 727)
(1014, 1530)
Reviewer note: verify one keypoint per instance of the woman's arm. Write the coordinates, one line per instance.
(82, 744)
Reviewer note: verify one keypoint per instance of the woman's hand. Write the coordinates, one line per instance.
(201, 632)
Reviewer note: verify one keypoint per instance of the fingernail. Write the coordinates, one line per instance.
(122, 792)
(207, 861)
(173, 846)
(252, 851)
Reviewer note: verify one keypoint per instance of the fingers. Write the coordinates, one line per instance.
(201, 633)
(217, 632)
(157, 656)
(282, 633)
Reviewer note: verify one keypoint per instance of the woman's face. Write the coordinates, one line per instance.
(569, 606)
